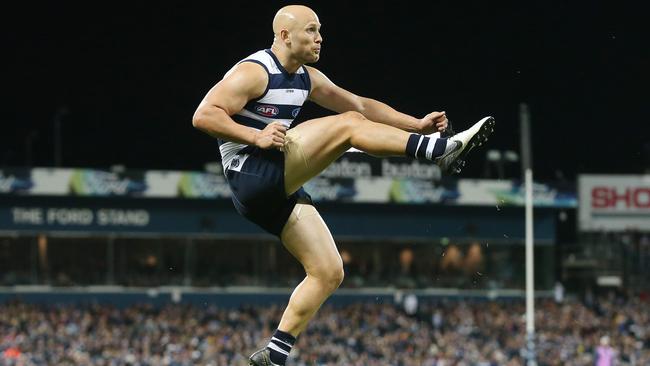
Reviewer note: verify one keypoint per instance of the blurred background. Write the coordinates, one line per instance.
(119, 244)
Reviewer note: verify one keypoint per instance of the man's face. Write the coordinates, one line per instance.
(306, 42)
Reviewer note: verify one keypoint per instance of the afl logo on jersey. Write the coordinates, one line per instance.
(267, 110)
(295, 112)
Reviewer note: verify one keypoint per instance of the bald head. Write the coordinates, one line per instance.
(291, 17)
(297, 39)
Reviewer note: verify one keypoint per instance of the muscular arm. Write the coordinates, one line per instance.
(327, 94)
(244, 82)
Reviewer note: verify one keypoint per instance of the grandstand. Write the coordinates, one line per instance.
(119, 243)
(150, 266)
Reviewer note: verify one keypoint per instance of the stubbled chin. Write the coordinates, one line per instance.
(311, 59)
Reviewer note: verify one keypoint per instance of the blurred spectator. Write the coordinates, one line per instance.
(411, 304)
(473, 259)
(558, 292)
(405, 276)
(447, 333)
(452, 260)
(604, 353)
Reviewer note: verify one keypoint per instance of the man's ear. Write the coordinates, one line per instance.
(285, 36)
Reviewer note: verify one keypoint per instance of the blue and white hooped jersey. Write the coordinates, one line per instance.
(281, 102)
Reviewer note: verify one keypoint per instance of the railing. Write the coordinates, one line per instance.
(236, 296)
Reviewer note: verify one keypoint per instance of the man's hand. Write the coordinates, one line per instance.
(272, 136)
(433, 122)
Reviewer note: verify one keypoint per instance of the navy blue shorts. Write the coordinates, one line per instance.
(258, 188)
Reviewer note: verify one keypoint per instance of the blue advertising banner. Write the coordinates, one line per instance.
(355, 178)
(104, 215)
(369, 221)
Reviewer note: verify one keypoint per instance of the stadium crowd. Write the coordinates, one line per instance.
(433, 334)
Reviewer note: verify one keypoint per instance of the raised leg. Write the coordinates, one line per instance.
(313, 145)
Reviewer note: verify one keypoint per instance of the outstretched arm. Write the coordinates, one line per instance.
(328, 95)
(242, 83)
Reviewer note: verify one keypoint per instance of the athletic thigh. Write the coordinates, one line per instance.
(307, 238)
(313, 145)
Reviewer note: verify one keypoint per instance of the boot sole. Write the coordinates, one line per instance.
(478, 139)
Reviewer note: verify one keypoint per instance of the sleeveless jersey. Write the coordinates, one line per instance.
(281, 102)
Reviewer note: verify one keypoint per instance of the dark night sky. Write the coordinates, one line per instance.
(131, 77)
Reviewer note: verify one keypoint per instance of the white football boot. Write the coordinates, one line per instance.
(453, 160)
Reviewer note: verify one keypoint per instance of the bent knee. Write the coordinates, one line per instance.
(337, 277)
(346, 122)
(330, 278)
(351, 116)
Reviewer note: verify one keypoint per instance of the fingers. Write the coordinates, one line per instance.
(277, 130)
(439, 120)
(277, 126)
(278, 133)
(274, 134)
(437, 115)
